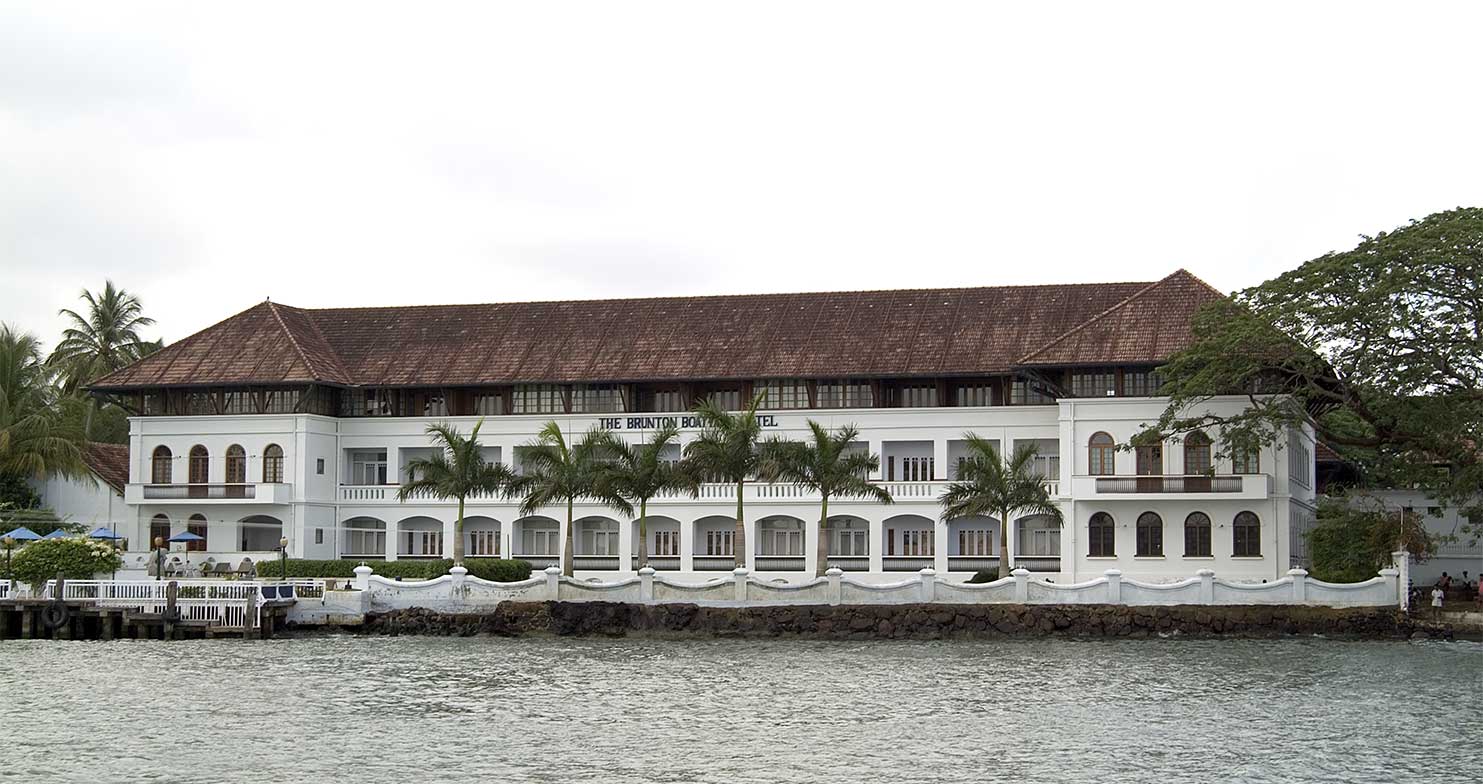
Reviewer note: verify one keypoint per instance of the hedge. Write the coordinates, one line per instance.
(74, 557)
(498, 570)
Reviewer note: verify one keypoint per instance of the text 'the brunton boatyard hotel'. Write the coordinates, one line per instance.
(282, 422)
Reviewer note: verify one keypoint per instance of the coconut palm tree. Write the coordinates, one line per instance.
(102, 341)
(990, 485)
(556, 471)
(727, 450)
(38, 432)
(639, 472)
(456, 472)
(825, 465)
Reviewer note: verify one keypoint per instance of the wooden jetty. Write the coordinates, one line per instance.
(105, 610)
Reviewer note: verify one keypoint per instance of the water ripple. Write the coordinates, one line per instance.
(576, 710)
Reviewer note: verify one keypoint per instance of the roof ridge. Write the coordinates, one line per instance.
(1199, 280)
(692, 297)
(1094, 319)
(313, 324)
(293, 339)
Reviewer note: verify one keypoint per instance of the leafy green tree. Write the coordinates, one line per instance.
(457, 471)
(999, 487)
(103, 339)
(1355, 537)
(74, 557)
(639, 472)
(826, 465)
(37, 433)
(727, 450)
(556, 471)
(1379, 349)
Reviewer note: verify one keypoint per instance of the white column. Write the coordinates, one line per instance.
(939, 459)
(749, 525)
(507, 539)
(811, 535)
(626, 534)
(1012, 538)
(687, 543)
(877, 545)
(939, 546)
(391, 536)
(874, 445)
(449, 535)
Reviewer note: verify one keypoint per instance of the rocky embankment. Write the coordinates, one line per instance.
(930, 622)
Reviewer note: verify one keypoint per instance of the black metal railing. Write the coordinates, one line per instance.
(200, 491)
(903, 563)
(1169, 484)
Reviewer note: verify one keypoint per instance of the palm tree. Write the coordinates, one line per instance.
(456, 472)
(990, 485)
(727, 451)
(104, 340)
(639, 473)
(556, 472)
(825, 465)
(38, 435)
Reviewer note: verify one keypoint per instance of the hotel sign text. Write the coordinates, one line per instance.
(656, 422)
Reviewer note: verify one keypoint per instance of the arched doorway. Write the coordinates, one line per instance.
(363, 537)
(910, 543)
(537, 539)
(714, 549)
(973, 544)
(849, 543)
(780, 543)
(419, 537)
(1037, 543)
(596, 539)
(481, 537)
(260, 533)
(663, 542)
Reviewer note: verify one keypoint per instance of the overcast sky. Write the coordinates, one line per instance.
(206, 156)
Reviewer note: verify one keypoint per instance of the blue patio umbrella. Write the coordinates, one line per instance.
(22, 534)
(57, 534)
(186, 536)
(103, 533)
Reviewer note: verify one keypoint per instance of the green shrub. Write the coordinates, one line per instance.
(984, 576)
(75, 557)
(494, 569)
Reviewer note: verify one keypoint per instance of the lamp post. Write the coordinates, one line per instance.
(9, 580)
(283, 559)
(159, 558)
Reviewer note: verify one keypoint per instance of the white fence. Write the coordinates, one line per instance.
(233, 603)
(458, 592)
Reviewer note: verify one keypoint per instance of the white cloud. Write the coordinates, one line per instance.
(345, 154)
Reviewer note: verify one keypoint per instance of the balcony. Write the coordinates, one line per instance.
(232, 493)
(1240, 487)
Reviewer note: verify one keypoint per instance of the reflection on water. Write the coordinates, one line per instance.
(558, 710)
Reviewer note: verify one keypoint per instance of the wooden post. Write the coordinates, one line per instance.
(172, 595)
(28, 622)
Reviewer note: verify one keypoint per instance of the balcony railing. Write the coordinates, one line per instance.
(1038, 563)
(713, 563)
(906, 563)
(200, 491)
(660, 563)
(972, 563)
(850, 563)
(1169, 484)
(602, 563)
(780, 563)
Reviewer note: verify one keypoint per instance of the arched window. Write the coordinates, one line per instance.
(1101, 449)
(236, 465)
(1197, 453)
(1246, 536)
(1197, 535)
(1101, 536)
(160, 465)
(159, 529)
(197, 526)
(273, 464)
(1150, 539)
(198, 469)
(780, 536)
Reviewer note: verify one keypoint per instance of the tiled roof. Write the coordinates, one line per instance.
(109, 462)
(1150, 326)
(928, 332)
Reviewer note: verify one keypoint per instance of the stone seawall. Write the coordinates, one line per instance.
(934, 621)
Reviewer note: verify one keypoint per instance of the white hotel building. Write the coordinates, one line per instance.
(294, 423)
